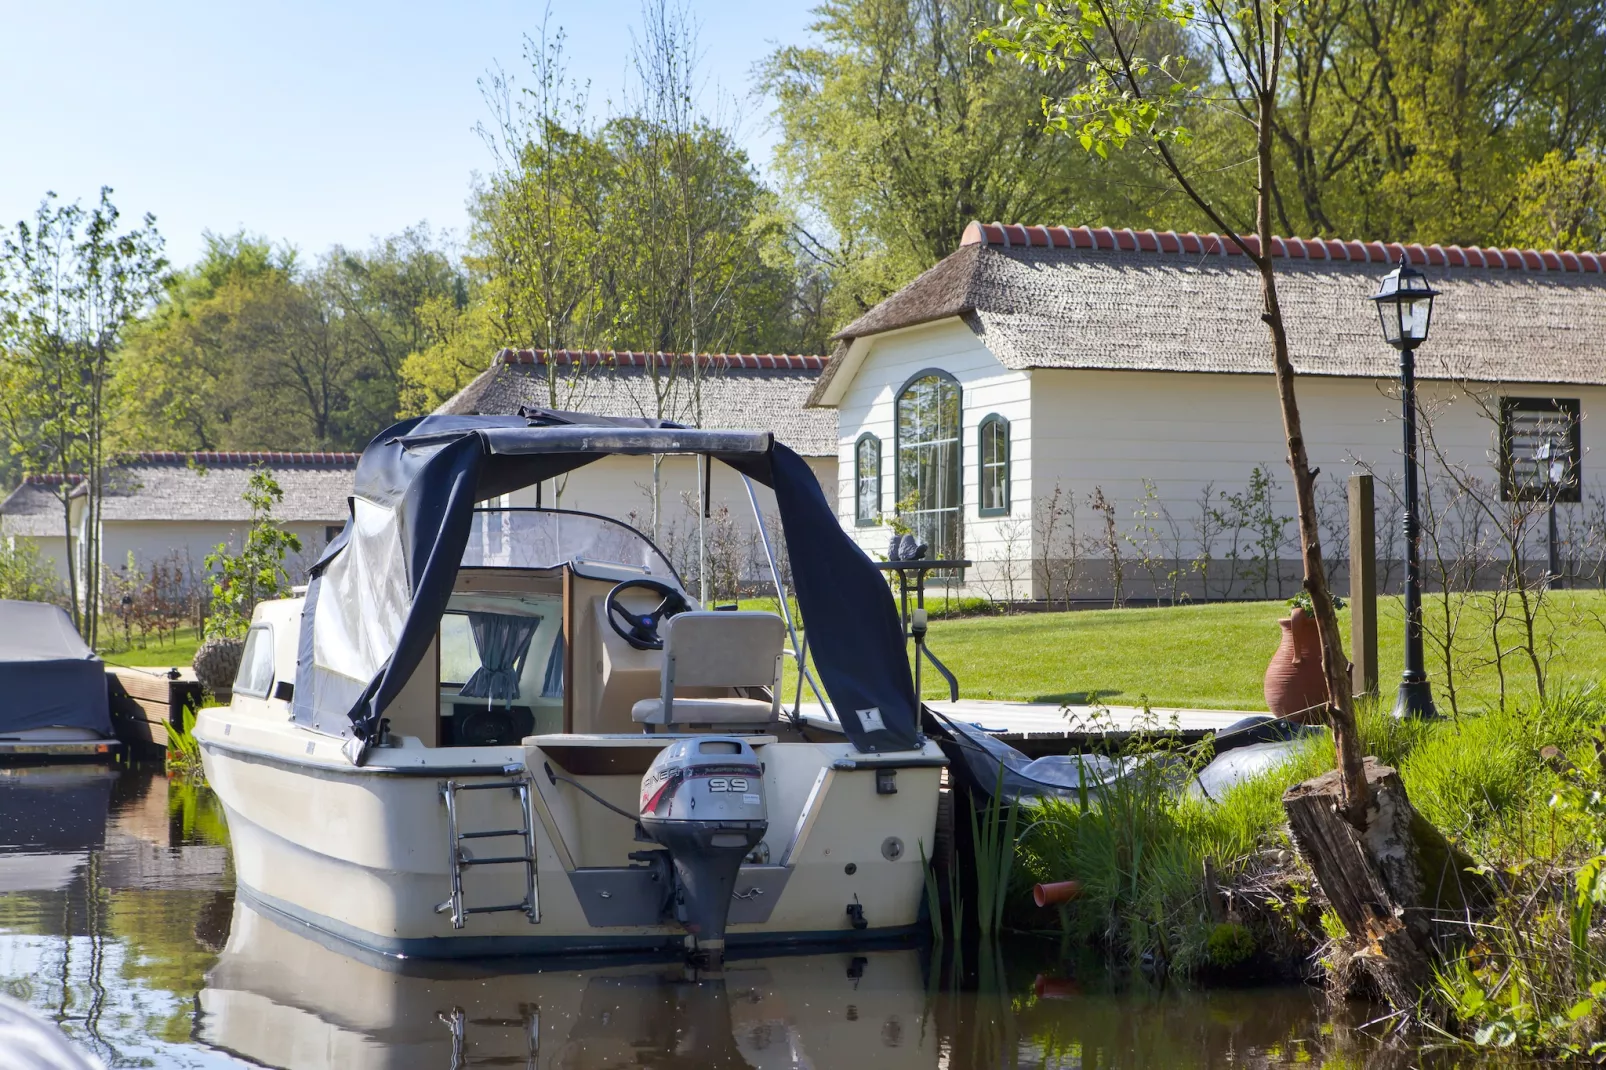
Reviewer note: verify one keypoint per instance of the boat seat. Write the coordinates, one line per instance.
(705, 649)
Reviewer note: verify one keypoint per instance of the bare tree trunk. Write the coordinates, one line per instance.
(1335, 666)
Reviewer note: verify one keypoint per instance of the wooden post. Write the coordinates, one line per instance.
(1362, 586)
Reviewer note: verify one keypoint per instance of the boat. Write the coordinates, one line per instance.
(56, 706)
(281, 995)
(493, 730)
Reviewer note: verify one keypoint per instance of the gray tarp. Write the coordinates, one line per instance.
(49, 678)
(1243, 750)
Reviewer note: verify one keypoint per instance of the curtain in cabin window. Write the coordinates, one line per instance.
(503, 644)
(552, 683)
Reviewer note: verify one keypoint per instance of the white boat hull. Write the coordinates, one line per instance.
(363, 853)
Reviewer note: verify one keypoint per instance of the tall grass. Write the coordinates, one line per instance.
(1139, 845)
(183, 749)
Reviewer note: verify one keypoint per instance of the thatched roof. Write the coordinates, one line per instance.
(1042, 297)
(737, 391)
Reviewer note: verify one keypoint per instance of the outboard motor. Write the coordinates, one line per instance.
(703, 800)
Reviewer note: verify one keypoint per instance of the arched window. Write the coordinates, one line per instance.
(867, 480)
(993, 470)
(928, 461)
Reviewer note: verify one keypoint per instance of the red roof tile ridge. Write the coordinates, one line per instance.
(220, 457)
(1015, 235)
(50, 479)
(625, 358)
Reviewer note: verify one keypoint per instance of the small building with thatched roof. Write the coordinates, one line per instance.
(1080, 409)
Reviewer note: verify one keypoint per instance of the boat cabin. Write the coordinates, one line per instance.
(571, 623)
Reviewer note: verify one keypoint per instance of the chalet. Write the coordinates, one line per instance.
(171, 509)
(1073, 406)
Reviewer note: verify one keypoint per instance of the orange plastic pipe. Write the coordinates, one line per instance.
(1048, 987)
(1047, 895)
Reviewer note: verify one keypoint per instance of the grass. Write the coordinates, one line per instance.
(1214, 656)
(148, 653)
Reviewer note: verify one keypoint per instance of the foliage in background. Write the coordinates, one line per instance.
(895, 132)
(257, 572)
(25, 577)
(251, 348)
(73, 281)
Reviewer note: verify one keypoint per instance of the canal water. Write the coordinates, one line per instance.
(118, 921)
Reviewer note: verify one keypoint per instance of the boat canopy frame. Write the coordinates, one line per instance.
(376, 595)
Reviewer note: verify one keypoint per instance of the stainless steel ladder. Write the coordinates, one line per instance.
(460, 858)
(460, 1025)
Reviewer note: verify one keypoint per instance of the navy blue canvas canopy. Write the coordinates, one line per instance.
(379, 590)
(48, 675)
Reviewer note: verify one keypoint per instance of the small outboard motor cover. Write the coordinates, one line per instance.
(703, 799)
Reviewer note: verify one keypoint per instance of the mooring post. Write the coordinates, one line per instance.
(1362, 586)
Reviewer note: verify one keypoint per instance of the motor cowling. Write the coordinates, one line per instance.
(702, 799)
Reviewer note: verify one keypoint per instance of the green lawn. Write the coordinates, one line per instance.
(180, 652)
(1214, 656)
(1208, 656)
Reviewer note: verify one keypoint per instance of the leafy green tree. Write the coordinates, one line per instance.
(257, 572)
(74, 281)
(896, 132)
(251, 350)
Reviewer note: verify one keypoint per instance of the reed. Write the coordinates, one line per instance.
(183, 749)
(993, 837)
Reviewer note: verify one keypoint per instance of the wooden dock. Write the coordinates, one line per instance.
(145, 702)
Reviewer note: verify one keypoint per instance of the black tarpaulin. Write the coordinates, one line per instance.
(376, 597)
(48, 675)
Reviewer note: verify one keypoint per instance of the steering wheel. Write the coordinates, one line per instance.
(642, 632)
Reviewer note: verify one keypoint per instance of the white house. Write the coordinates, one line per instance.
(1118, 383)
(169, 510)
(34, 513)
(722, 391)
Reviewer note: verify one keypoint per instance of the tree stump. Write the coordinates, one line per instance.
(1397, 884)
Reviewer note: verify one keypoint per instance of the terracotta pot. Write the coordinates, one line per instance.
(1295, 687)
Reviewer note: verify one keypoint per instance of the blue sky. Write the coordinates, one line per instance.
(314, 123)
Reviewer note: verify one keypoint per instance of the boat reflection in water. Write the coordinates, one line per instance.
(280, 997)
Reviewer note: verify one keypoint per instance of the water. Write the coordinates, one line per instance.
(118, 921)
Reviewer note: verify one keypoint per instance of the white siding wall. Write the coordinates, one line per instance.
(1181, 431)
(987, 387)
(51, 549)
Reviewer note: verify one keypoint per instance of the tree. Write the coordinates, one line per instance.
(1130, 96)
(257, 572)
(74, 281)
(249, 350)
(896, 132)
(181, 375)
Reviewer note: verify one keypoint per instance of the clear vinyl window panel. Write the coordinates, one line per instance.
(929, 473)
(550, 538)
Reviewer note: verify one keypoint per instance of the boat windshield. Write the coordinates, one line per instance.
(551, 538)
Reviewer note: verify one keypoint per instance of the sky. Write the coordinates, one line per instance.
(312, 123)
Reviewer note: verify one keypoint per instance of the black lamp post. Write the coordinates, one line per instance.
(1405, 306)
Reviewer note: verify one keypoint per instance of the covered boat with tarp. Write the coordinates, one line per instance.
(494, 728)
(53, 696)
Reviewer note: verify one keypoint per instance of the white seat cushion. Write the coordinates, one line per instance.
(720, 711)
